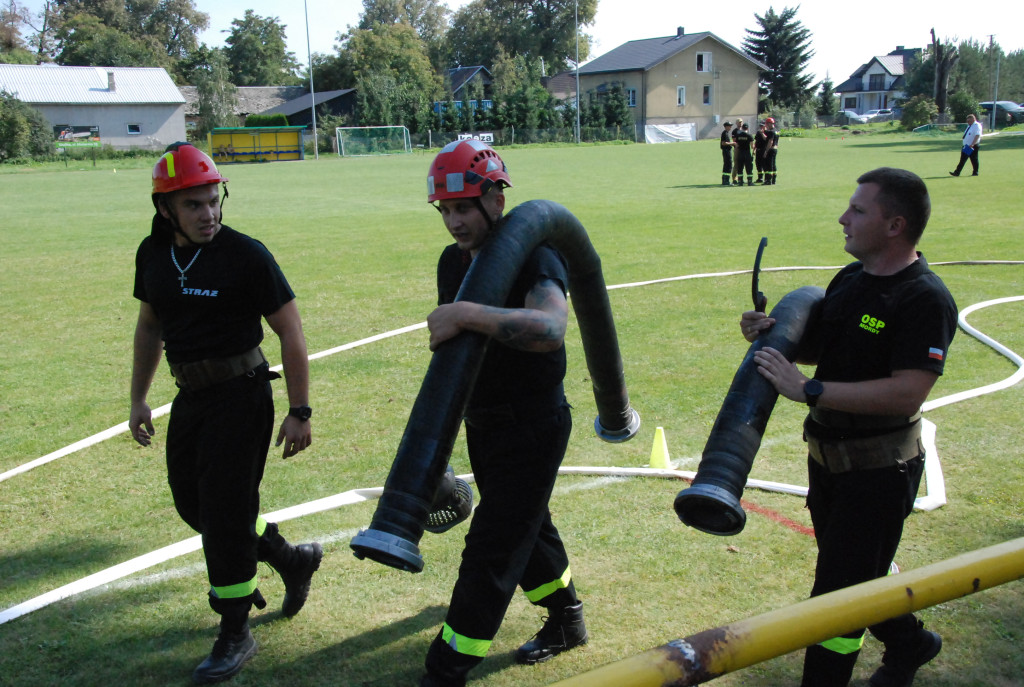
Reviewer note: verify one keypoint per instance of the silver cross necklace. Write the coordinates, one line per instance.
(182, 278)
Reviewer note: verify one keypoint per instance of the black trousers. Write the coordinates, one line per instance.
(512, 540)
(726, 161)
(217, 442)
(745, 163)
(858, 523)
(973, 157)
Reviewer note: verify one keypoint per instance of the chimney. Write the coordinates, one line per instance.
(679, 32)
(111, 86)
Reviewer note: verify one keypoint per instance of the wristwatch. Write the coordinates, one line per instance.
(813, 389)
(301, 412)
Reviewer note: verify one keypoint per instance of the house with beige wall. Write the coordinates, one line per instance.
(681, 83)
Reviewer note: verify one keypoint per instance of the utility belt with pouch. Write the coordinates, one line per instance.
(862, 442)
(203, 374)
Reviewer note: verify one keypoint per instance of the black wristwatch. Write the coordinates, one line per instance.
(813, 389)
(301, 412)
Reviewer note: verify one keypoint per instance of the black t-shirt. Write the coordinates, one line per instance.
(868, 326)
(508, 375)
(743, 140)
(760, 140)
(726, 136)
(216, 312)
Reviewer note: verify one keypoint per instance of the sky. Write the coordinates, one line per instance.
(844, 35)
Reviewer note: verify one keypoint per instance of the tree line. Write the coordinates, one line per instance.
(398, 54)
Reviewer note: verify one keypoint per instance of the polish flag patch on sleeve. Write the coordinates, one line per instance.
(936, 353)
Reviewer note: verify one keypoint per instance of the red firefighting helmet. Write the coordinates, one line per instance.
(465, 169)
(184, 166)
(770, 121)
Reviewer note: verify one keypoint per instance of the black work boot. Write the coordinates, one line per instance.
(445, 666)
(234, 646)
(900, 663)
(295, 565)
(562, 630)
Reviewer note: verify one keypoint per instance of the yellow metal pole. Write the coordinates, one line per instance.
(709, 654)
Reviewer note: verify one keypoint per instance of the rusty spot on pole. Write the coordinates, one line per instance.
(910, 592)
(696, 655)
(976, 584)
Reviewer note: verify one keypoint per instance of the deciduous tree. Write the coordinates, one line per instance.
(428, 17)
(392, 72)
(257, 52)
(537, 29)
(218, 97)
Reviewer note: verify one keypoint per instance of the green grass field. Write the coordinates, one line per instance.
(359, 245)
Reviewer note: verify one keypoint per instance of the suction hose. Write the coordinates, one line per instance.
(426, 445)
(712, 502)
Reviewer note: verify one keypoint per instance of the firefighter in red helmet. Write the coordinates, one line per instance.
(204, 290)
(771, 152)
(517, 424)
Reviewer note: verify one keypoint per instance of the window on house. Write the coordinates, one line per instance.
(876, 82)
(680, 95)
(850, 104)
(134, 129)
(707, 94)
(703, 62)
(631, 97)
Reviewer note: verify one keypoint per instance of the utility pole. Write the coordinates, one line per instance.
(312, 91)
(577, 24)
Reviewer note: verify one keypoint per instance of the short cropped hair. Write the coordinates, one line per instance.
(902, 194)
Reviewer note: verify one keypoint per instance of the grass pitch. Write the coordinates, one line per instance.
(359, 245)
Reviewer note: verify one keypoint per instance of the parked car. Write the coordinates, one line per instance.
(1006, 112)
(883, 115)
(851, 117)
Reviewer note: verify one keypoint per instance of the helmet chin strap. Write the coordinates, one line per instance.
(483, 211)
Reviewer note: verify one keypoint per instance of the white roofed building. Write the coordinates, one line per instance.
(125, 107)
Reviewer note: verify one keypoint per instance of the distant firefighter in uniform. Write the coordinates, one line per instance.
(771, 152)
(727, 146)
(744, 161)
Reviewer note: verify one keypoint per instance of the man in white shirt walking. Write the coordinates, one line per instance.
(972, 142)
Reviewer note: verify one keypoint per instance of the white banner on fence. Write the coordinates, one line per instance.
(667, 133)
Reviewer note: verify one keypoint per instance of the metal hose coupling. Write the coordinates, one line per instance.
(426, 445)
(712, 502)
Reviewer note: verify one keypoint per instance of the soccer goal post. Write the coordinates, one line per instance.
(356, 141)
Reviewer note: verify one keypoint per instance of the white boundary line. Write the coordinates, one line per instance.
(934, 484)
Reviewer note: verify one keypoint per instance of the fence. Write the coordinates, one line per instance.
(512, 136)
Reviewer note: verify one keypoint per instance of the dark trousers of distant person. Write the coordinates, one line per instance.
(745, 164)
(770, 170)
(973, 157)
(726, 165)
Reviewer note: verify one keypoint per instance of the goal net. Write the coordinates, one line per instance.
(355, 141)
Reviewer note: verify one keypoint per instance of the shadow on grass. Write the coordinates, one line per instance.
(75, 559)
(379, 656)
(945, 144)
